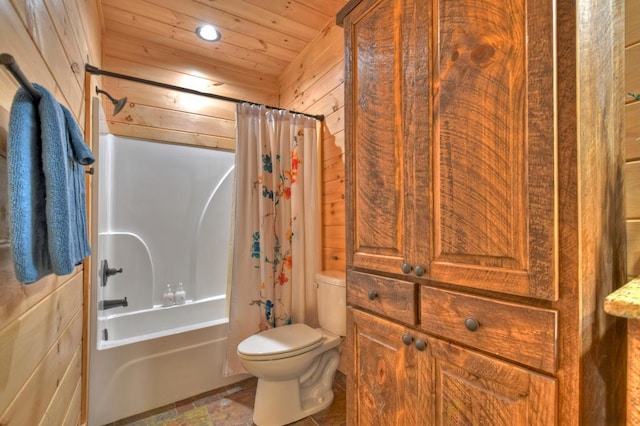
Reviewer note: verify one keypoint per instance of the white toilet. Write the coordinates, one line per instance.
(295, 364)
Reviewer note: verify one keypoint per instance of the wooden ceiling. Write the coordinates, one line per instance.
(258, 36)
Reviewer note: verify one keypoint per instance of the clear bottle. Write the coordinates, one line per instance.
(180, 296)
(167, 297)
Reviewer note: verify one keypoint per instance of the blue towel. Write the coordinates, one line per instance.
(46, 156)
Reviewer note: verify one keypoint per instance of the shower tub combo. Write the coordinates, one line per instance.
(163, 217)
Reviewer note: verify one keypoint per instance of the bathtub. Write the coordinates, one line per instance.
(131, 327)
(145, 356)
(155, 357)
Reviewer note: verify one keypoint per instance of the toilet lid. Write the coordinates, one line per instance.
(280, 342)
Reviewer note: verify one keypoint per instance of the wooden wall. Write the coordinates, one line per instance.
(314, 83)
(632, 138)
(41, 325)
(172, 116)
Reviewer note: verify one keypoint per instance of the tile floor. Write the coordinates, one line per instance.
(233, 406)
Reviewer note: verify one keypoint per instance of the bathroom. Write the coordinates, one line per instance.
(47, 325)
(166, 116)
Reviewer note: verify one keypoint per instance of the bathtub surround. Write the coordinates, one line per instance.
(165, 223)
(276, 238)
(46, 156)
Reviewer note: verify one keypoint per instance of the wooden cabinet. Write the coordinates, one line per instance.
(449, 166)
(403, 377)
(483, 166)
(388, 47)
(383, 387)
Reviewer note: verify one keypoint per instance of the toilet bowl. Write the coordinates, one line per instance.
(295, 364)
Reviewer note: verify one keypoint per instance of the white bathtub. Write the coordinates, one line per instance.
(130, 327)
(150, 356)
(141, 368)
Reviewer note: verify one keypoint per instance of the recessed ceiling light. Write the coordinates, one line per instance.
(208, 33)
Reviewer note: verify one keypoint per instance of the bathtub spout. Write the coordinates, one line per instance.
(108, 304)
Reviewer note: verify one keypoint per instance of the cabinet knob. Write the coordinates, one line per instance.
(421, 345)
(406, 268)
(419, 271)
(407, 339)
(372, 294)
(471, 324)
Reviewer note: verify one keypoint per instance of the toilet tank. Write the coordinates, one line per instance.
(332, 301)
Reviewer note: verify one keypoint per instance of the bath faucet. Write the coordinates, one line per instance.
(108, 304)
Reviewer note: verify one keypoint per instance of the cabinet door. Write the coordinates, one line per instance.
(386, 382)
(494, 206)
(473, 389)
(386, 128)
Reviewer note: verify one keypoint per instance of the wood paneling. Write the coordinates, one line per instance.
(632, 64)
(633, 248)
(41, 324)
(259, 37)
(32, 334)
(171, 116)
(43, 343)
(192, 71)
(632, 136)
(632, 22)
(632, 193)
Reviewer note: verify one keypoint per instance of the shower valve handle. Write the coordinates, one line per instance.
(107, 272)
(113, 271)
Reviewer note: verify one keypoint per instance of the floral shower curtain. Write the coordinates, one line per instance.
(276, 242)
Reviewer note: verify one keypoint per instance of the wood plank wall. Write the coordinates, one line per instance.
(41, 324)
(168, 115)
(632, 137)
(314, 83)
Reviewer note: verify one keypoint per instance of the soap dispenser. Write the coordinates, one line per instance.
(167, 296)
(181, 295)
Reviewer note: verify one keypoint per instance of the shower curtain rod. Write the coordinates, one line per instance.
(94, 70)
(8, 61)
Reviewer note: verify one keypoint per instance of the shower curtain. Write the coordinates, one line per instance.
(276, 237)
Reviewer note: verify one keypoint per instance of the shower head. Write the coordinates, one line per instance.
(118, 104)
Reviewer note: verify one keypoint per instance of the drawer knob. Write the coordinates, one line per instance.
(471, 324)
(419, 271)
(421, 345)
(406, 268)
(407, 339)
(372, 295)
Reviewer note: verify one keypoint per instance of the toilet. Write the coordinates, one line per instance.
(295, 364)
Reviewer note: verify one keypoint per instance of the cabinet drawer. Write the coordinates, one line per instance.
(521, 333)
(392, 298)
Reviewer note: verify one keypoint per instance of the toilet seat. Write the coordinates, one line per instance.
(280, 342)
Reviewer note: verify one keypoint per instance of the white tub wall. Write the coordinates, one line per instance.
(211, 255)
(191, 175)
(139, 377)
(127, 251)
